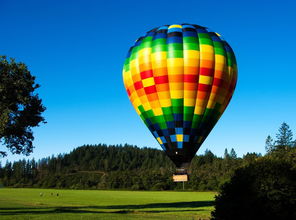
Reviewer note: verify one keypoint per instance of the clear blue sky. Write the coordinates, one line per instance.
(76, 49)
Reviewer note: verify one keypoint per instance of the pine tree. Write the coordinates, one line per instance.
(233, 154)
(209, 156)
(284, 137)
(226, 154)
(269, 144)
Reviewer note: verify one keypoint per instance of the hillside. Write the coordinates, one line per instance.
(118, 167)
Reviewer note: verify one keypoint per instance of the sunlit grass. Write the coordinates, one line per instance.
(102, 204)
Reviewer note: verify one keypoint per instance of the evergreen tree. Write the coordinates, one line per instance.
(226, 154)
(269, 144)
(209, 156)
(284, 137)
(233, 154)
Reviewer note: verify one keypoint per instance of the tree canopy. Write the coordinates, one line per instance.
(265, 189)
(20, 107)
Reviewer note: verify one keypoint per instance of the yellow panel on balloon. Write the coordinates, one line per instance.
(166, 102)
(190, 95)
(146, 106)
(211, 104)
(175, 26)
(179, 137)
(158, 57)
(219, 58)
(157, 111)
(145, 52)
(191, 54)
(198, 110)
(191, 63)
(175, 62)
(206, 49)
(176, 86)
(148, 82)
(154, 104)
(205, 79)
(206, 56)
(177, 94)
(145, 66)
(163, 95)
(159, 140)
(189, 102)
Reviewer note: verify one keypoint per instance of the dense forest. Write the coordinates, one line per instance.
(118, 167)
(130, 167)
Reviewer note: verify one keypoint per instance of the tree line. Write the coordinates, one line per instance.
(130, 167)
(118, 167)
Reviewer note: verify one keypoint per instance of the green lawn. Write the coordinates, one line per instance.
(99, 204)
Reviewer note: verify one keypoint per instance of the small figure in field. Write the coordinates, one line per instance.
(57, 195)
(40, 194)
(51, 194)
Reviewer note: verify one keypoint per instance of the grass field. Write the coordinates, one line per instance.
(99, 204)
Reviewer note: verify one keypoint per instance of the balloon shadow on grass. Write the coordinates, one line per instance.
(119, 209)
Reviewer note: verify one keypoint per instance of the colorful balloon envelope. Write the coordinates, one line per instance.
(180, 78)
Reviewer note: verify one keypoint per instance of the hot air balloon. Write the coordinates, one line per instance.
(180, 79)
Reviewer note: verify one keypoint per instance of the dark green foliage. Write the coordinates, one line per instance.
(116, 167)
(265, 189)
(94, 167)
(251, 157)
(20, 108)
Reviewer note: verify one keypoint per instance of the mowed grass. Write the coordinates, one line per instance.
(101, 204)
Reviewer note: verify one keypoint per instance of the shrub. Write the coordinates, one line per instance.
(265, 189)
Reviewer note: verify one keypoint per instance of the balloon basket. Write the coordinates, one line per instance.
(181, 175)
(180, 178)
